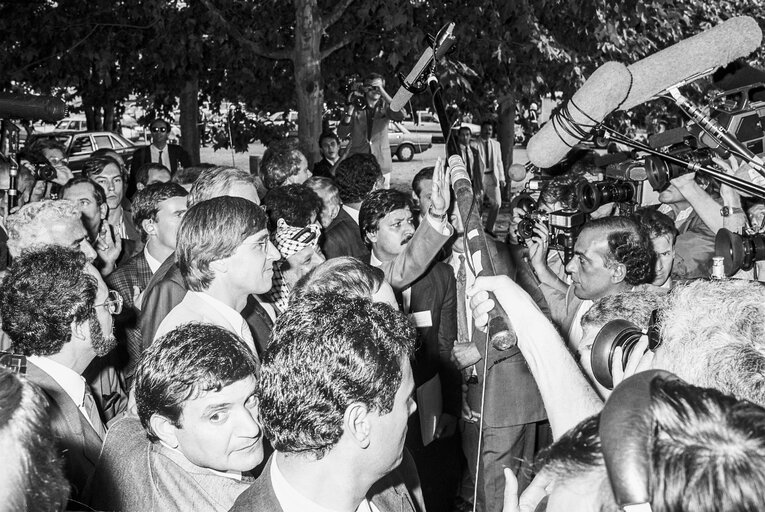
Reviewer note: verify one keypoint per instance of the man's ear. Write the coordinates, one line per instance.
(164, 429)
(149, 227)
(334, 210)
(219, 266)
(371, 236)
(140, 186)
(80, 330)
(356, 422)
(416, 199)
(618, 273)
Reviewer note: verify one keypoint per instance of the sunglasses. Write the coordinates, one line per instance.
(160, 129)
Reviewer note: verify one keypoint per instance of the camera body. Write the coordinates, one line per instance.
(357, 95)
(563, 227)
(623, 184)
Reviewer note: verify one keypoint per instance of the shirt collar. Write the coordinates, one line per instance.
(154, 263)
(231, 315)
(354, 213)
(69, 380)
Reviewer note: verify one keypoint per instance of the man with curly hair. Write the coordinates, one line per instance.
(58, 313)
(336, 393)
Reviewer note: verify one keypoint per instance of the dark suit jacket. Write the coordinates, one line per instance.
(342, 238)
(142, 156)
(5, 257)
(474, 169)
(135, 272)
(323, 169)
(75, 439)
(389, 494)
(167, 288)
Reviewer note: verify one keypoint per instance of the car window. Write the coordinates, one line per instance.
(82, 145)
(103, 141)
(118, 143)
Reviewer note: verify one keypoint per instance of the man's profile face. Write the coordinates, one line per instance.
(300, 263)
(671, 195)
(590, 276)
(84, 197)
(252, 264)
(219, 429)
(389, 430)
(424, 197)
(110, 180)
(170, 213)
(394, 231)
(71, 233)
(101, 332)
(56, 158)
(329, 148)
(158, 176)
(303, 173)
(464, 137)
(665, 256)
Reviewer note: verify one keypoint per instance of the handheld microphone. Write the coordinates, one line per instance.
(46, 108)
(600, 95)
(718, 46)
(503, 335)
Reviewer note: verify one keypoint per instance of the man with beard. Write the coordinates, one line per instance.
(58, 313)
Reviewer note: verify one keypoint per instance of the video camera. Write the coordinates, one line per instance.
(739, 251)
(357, 95)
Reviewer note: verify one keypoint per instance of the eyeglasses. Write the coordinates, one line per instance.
(304, 236)
(55, 162)
(113, 304)
(160, 129)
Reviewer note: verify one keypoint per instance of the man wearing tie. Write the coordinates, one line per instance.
(492, 172)
(472, 160)
(71, 325)
(159, 151)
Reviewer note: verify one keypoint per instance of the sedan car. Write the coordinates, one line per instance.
(405, 144)
(80, 145)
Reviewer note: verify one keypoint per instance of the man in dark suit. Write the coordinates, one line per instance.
(472, 160)
(72, 325)
(329, 146)
(171, 156)
(336, 408)
(430, 303)
(157, 212)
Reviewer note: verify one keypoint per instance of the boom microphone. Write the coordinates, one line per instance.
(601, 94)
(46, 108)
(718, 46)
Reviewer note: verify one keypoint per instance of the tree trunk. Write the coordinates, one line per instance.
(308, 84)
(506, 135)
(189, 103)
(109, 124)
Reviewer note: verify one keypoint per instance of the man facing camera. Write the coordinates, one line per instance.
(336, 394)
(197, 433)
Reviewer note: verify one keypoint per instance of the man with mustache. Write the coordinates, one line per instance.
(58, 313)
(387, 228)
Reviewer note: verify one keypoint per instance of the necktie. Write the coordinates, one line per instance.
(488, 158)
(462, 325)
(159, 158)
(89, 403)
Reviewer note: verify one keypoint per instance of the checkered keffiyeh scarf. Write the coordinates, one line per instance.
(284, 241)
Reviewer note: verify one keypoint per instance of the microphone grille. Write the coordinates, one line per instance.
(457, 169)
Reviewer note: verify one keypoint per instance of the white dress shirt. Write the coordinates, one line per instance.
(153, 262)
(165, 155)
(353, 212)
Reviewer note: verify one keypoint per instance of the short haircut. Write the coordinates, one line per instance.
(35, 150)
(713, 335)
(280, 162)
(296, 204)
(188, 175)
(94, 166)
(325, 188)
(328, 351)
(464, 129)
(43, 293)
(328, 135)
(707, 452)
(142, 174)
(562, 189)
(106, 152)
(635, 307)
(160, 120)
(628, 244)
(98, 191)
(372, 77)
(216, 182)
(146, 202)
(212, 230)
(32, 472)
(426, 173)
(344, 275)
(356, 177)
(188, 361)
(488, 122)
(376, 206)
(29, 227)
(656, 224)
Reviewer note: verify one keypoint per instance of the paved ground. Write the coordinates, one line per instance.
(401, 178)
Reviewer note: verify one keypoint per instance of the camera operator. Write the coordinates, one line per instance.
(52, 152)
(663, 235)
(366, 122)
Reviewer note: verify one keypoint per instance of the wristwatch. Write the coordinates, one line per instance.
(727, 211)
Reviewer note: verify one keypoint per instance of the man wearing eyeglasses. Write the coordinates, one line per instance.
(71, 325)
(159, 151)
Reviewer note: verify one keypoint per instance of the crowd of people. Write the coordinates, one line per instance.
(175, 340)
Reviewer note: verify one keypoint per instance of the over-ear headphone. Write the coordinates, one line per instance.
(626, 432)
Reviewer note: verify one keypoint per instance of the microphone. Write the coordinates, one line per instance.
(46, 108)
(501, 330)
(443, 41)
(692, 57)
(600, 95)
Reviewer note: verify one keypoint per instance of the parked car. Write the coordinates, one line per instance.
(405, 144)
(74, 124)
(427, 122)
(80, 145)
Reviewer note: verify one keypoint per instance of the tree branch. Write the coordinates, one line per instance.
(334, 16)
(339, 44)
(237, 34)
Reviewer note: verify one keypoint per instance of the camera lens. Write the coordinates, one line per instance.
(525, 229)
(616, 333)
(739, 252)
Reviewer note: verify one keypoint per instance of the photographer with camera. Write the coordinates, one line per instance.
(366, 119)
(47, 161)
(663, 235)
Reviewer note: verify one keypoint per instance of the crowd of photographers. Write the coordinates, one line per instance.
(325, 344)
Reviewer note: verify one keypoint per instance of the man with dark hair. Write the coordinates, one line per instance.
(329, 146)
(472, 160)
(32, 472)
(58, 313)
(172, 156)
(368, 127)
(150, 173)
(298, 205)
(91, 201)
(355, 177)
(54, 152)
(663, 234)
(197, 434)
(388, 228)
(157, 211)
(421, 185)
(224, 255)
(336, 393)
(283, 164)
(492, 171)
(327, 191)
